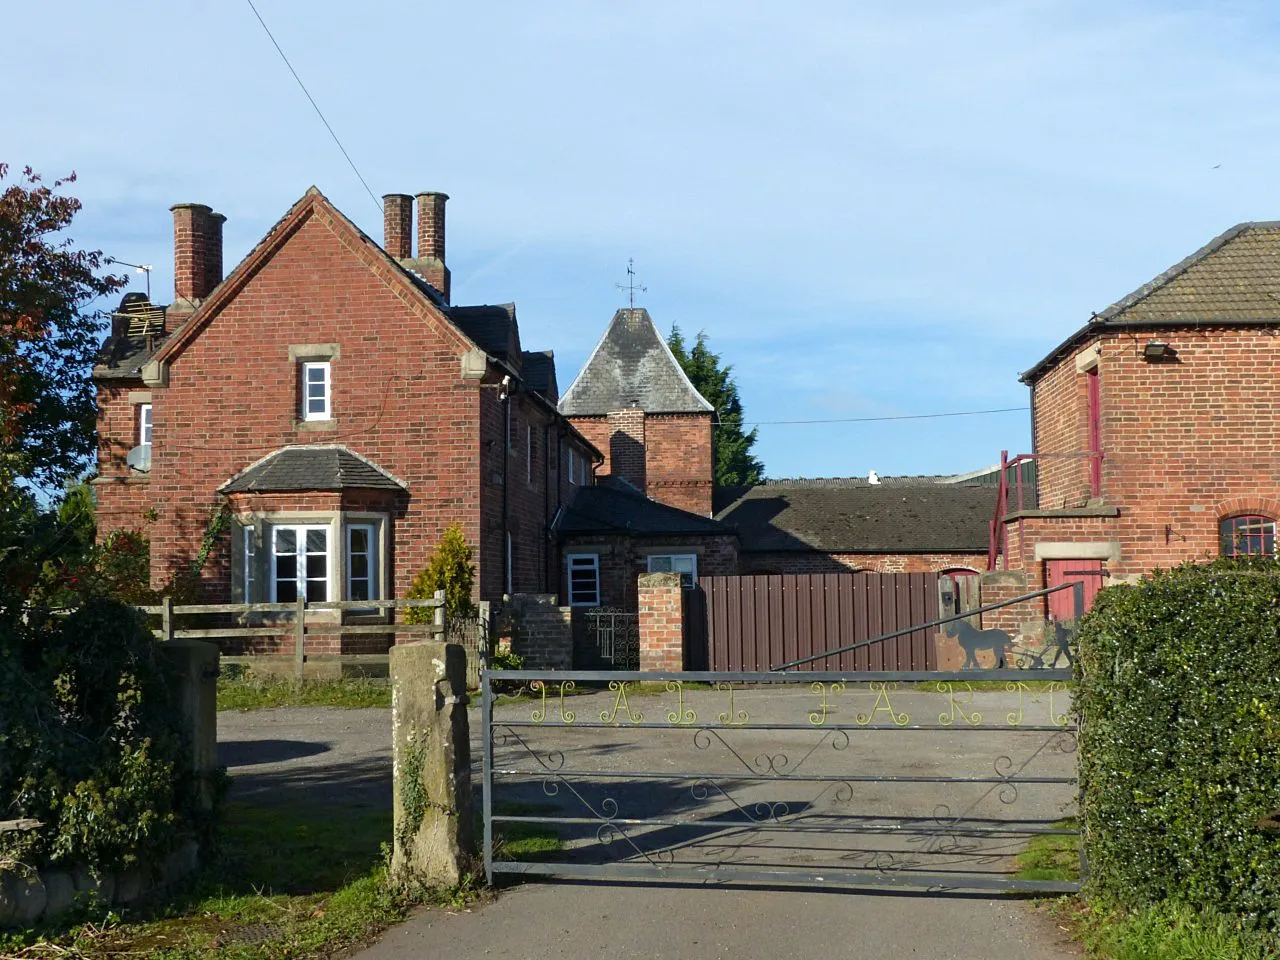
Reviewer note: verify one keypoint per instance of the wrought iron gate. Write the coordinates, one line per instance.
(906, 779)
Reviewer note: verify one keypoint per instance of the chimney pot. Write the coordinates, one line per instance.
(431, 241)
(397, 225)
(197, 253)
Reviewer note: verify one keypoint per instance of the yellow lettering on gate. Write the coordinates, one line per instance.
(620, 701)
(883, 702)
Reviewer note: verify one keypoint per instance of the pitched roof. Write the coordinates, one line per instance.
(616, 507)
(489, 326)
(897, 515)
(142, 332)
(311, 468)
(632, 366)
(1233, 279)
(538, 367)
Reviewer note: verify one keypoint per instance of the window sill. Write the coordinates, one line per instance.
(316, 426)
(133, 476)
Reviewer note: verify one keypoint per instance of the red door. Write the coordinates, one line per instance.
(1062, 603)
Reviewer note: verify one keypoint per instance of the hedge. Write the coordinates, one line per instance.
(90, 740)
(1179, 706)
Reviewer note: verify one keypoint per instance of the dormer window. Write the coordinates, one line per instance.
(315, 390)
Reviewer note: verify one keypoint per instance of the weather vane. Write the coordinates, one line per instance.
(631, 286)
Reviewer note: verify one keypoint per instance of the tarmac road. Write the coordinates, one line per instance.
(340, 758)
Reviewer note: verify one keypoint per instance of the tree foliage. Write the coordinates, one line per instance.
(48, 334)
(735, 464)
(450, 569)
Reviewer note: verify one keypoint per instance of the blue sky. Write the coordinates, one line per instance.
(872, 208)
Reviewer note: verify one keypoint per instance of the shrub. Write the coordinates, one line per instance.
(89, 740)
(450, 569)
(1179, 703)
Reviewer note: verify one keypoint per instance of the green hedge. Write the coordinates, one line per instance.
(90, 741)
(1179, 702)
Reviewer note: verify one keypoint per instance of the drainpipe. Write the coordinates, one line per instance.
(504, 394)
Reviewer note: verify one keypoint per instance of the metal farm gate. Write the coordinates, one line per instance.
(898, 779)
(756, 622)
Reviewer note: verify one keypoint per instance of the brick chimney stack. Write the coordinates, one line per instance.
(397, 225)
(431, 241)
(197, 254)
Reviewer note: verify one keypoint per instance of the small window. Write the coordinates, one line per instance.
(144, 424)
(1248, 536)
(584, 579)
(250, 566)
(315, 390)
(300, 564)
(362, 583)
(573, 476)
(685, 564)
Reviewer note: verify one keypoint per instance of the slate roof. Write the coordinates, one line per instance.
(538, 367)
(838, 515)
(612, 507)
(632, 366)
(1233, 279)
(143, 331)
(311, 468)
(488, 326)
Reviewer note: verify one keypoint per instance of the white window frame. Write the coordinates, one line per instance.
(250, 564)
(371, 532)
(671, 559)
(144, 425)
(307, 412)
(300, 531)
(581, 561)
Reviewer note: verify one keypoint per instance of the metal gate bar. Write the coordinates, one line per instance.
(727, 805)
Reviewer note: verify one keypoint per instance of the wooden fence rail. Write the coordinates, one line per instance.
(281, 619)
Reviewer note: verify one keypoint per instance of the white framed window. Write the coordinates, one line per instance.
(250, 564)
(144, 424)
(315, 390)
(584, 579)
(362, 562)
(573, 474)
(685, 564)
(299, 563)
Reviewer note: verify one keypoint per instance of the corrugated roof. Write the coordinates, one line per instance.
(311, 468)
(897, 515)
(632, 366)
(1233, 279)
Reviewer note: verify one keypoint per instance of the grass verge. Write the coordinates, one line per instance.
(249, 692)
(287, 883)
(1052, 856)
(1165, 932)
(525, 841)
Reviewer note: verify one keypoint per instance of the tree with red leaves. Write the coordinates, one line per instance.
(48, 335)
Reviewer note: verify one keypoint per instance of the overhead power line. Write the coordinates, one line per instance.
(319, 113)
(904, 416)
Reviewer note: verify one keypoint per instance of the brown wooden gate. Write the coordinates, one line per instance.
(755, 622)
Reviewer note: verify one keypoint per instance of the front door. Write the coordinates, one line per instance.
(1062, 604)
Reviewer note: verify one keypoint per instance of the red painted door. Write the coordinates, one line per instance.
(1062, 603)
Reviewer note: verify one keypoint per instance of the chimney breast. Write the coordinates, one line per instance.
(197, 253)
(397, 225)
(431, 241)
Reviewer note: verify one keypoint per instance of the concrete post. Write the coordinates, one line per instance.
(433, 843)
(661, 607)
(193, 667)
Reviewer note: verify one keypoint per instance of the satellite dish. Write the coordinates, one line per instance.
(139, 457)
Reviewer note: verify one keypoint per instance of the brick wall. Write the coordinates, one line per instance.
(123, 494)
(678, 460)
(627, 445)
(1186, 442)
(818, 562)
(544, 633)
(661, 609)
(623, 559)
